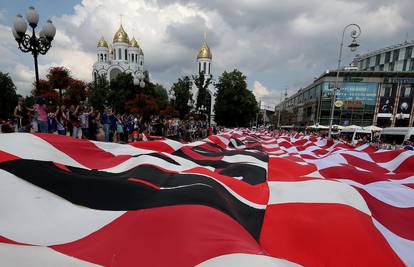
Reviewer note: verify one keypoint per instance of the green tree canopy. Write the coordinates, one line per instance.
(182, 93)
(8, 96)
(99, 90)
(235, 104)
(122, 90)
(161, 96)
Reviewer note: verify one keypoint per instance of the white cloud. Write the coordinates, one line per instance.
(259, 90)
(282, 43)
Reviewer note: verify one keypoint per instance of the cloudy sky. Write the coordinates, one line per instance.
(277, 44)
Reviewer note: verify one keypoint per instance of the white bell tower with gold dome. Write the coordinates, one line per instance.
(204, 65)
(204, 58)
(123, 55)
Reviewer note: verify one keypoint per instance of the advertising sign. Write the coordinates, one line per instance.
(404, 107)
(386, 107)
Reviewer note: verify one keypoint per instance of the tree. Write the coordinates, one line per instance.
(76, 92)
(99, 90)
(161, 96)
(235, 104)
(202, 84)
(46, 91)
(182, 92)
(121, 90)
(59, 78)
(8, 96)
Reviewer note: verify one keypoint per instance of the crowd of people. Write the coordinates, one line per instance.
(82, 121)
(359, 139)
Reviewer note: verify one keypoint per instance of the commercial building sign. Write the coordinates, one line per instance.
(398, 80)
(339, 103)
(353, 103)
(353, 79)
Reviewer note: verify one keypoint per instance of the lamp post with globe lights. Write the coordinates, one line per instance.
(355, 33)
(35, 45)
(203, 111)
(139, 80)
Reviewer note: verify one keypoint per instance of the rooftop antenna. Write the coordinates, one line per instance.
(406, 37)
(286, 94)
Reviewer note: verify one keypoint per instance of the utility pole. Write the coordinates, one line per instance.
(257, 117)
(280, 107)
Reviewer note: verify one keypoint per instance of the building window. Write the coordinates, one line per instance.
(105, 58)
(405, 91)
(367, 63)
(133, 59)
(381, 67)
(120, 53)
(209, 68)
(101, 57)
(114, 54)
(199, 67)
(386, 90)
(395, 55)
(404, 65)
(126, 55)
(377, 60)
(387, 57)
(391, 66)
(412, 64)
(204, 67)
(141, 63)
(408, 51)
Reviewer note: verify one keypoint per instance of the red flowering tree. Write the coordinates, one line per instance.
(59, 78)
(46, 91)
(76, 92)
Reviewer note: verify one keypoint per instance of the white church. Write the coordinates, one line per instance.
(124, 55)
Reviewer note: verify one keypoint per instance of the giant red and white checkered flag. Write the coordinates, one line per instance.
(234, 199)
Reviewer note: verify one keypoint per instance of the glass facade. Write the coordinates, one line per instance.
(358, 103)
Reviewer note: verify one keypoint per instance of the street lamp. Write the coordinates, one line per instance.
(203, 111)
(139, 81)
(33, 44)
(355, 33)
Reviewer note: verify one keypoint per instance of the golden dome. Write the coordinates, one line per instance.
(121, 36)
(204, 51)
(111, 50)
(133, 42)
(102, 42)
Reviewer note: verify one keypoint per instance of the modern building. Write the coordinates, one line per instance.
(266, 114)
(124, 55)
(398, 57)
(204, 67)
(382, 98)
